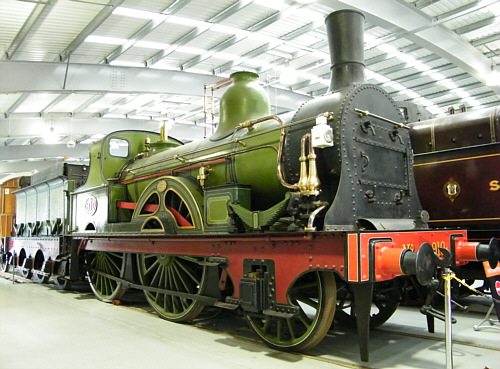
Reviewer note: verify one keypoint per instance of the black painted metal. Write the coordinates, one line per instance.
(363, 293)
(345, 37)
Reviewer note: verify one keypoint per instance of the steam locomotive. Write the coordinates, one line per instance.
(273, 215)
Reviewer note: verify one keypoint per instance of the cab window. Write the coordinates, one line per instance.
(118, 147)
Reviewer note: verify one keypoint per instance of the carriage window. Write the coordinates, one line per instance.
(118, 147)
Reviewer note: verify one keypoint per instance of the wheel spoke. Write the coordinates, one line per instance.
(152, 267)
(386, 296)
(309, 302)
(157, 277)
(315, 295)
(290, 328)
(105, 288)
(304, 319)
(187, 271)
(183, 281)
(172, 273)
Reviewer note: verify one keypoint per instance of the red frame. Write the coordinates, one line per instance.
(353, 256)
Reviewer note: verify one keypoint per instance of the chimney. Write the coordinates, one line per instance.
(345, 29)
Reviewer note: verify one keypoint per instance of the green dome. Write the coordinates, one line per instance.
(244, 100)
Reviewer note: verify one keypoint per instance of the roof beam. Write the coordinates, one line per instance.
(27, 77)
(34, 20)
(143, 32)
(406, 21)
(16, 152)
(91, 27)
(230, 10)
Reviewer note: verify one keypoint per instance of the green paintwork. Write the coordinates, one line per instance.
(165, 272)
(255, 161)
(176, 188)
(259, 219)
(216, 204)
(102, 185)
(245, 99)
(246, 157)
(113, 263)
(317, 292)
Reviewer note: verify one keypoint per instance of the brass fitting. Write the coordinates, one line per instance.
(312, 179)
(302, 183)
(309, 183)
(203, 174)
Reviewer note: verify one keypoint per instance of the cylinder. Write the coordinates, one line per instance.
(345, 30)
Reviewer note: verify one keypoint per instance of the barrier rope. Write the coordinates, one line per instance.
(453, 276)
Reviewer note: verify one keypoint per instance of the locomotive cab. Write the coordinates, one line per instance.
(96, 203)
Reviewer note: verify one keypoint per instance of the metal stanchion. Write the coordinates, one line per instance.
(447, 275)
(13, 269)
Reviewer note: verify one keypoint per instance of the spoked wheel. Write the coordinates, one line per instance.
(182, 274)
(100, 263)
(315, 294)
(386, 298)
(170, 205)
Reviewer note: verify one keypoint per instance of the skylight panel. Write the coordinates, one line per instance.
(191, 50)
(106, 40)
(230, 30)
(122, 63)
(189, 22)
(272, 4)
(143, 14)
(151, 45)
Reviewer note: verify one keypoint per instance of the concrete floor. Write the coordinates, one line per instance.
(42, 327)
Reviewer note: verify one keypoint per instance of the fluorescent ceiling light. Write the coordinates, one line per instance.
(272, 4)
(436, 110)
(51, 138)
(449, 85)
(461, 93)
(229, 30)
(398, 86)
(473, 102)
(320, 55)
(151, 45)
(493, 79)
(495, 9)
(126, 63)
(406, 58)
(199, 71)
(436, 76)
(225, 56)
(191, 50)
(105, 40)
(377, 76)
(189, 22)
(272, 41)
(288, 76)
(412, 94)
(386, 48)
(117, 116)
(136, 13)
(420, 66)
